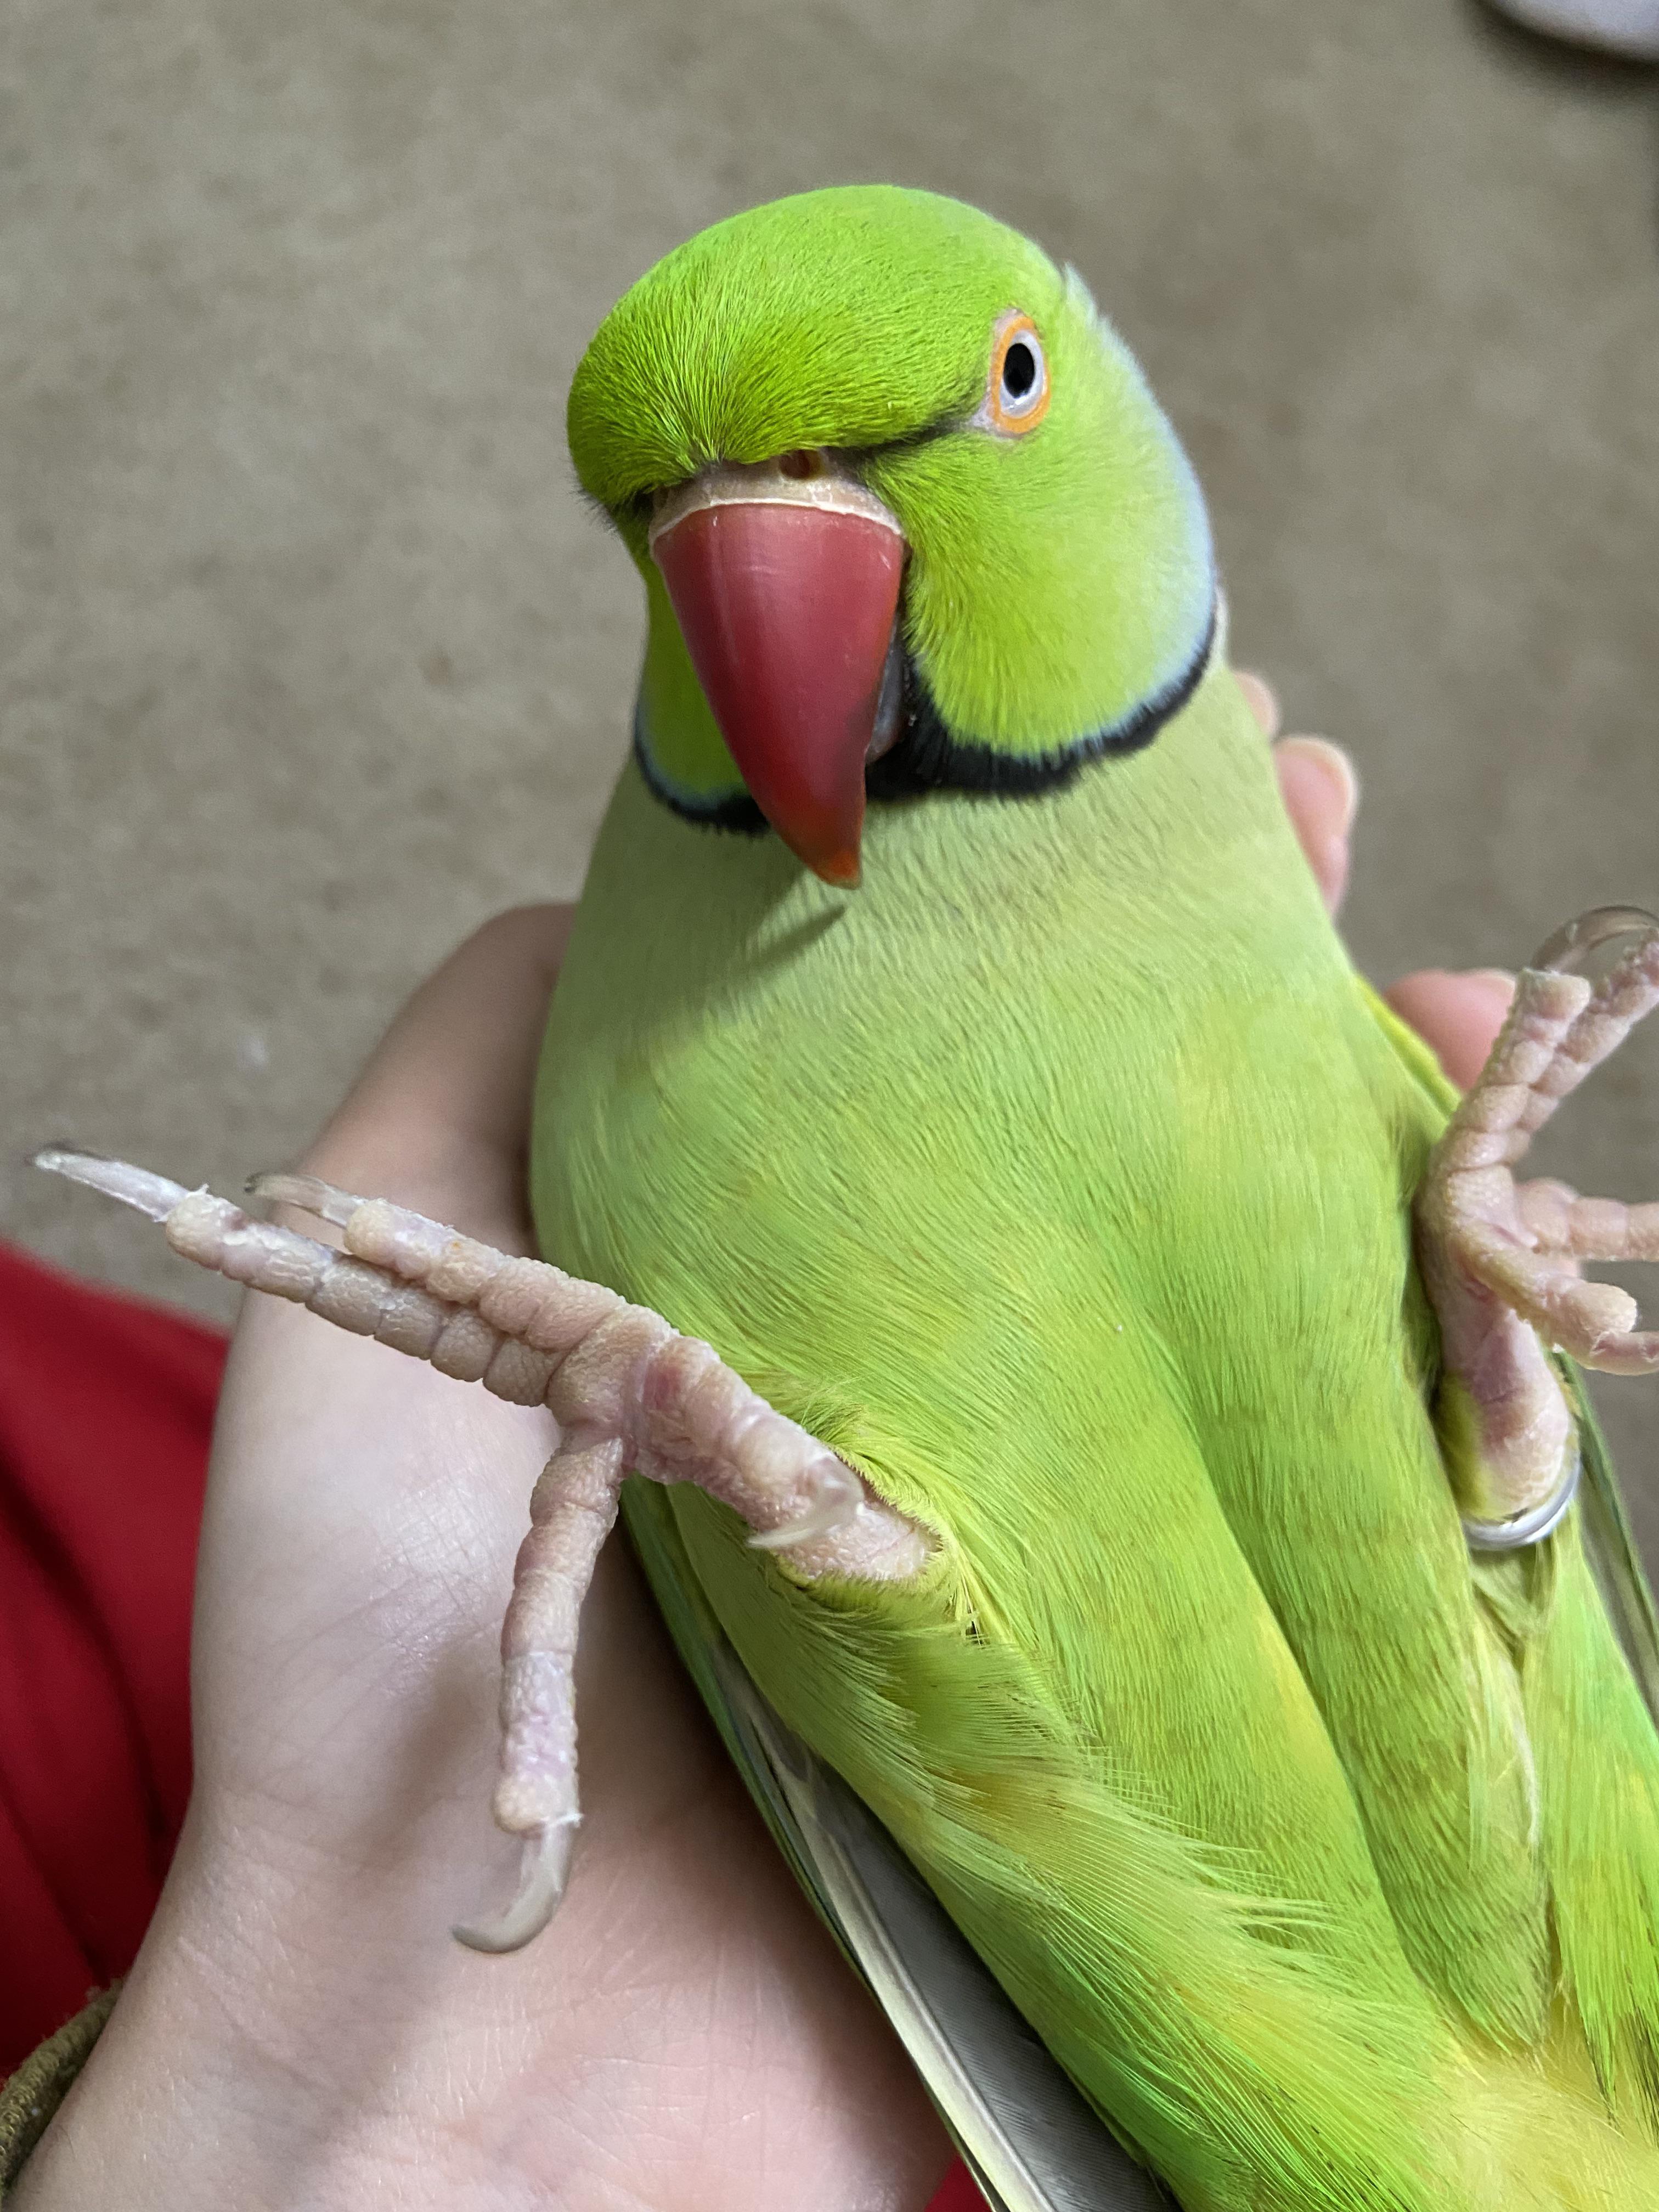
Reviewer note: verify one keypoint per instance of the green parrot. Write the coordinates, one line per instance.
(953, 1037)
(1135, 1438)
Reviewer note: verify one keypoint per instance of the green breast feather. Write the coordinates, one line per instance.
(1059, 1178)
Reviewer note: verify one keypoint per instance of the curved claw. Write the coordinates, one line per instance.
(841, 1495)
(138, 1188)
(1571, 947)
(309, 1193)
(543, 1874)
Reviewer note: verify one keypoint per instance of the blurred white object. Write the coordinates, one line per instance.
(1621, 26)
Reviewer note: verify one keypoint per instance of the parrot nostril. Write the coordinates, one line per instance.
(801, 465)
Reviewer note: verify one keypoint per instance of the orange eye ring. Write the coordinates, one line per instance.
(1016, 390)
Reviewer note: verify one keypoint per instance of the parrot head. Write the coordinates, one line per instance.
(908, 515)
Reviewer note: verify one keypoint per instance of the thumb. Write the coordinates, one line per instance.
(1458, 1015)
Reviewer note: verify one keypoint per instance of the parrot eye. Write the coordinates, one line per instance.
(1016, 396)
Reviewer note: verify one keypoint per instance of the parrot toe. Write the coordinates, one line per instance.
(630, 1396)
(1503, 1262)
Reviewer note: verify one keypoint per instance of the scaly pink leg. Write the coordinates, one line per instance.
(1503, 1262)
(630, 1396)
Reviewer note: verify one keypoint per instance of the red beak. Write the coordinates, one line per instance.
(786, 605)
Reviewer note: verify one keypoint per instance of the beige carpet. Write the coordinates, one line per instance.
(312, 658)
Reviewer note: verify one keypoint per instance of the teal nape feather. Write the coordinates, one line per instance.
(860, 320)
(1061, 1179)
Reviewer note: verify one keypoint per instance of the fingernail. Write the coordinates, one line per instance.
(1337, 768)
(1501, 977)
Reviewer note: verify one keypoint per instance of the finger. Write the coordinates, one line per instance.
(1321, 791)
(1458, 1015)
(440, 1117)
(1263, 699)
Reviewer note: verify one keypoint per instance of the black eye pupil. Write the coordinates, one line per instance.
(1019, 369)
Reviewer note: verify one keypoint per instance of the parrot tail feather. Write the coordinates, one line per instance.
(1598, 1767)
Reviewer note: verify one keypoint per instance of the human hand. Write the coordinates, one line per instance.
(300, 2029)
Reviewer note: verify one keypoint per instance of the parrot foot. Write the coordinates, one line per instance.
(630, 1394)
(1503, 1262)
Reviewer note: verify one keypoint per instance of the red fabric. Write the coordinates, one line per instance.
(959, 2194)
(106, 1412)
(106, 1407)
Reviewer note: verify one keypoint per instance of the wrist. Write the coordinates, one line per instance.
(164, 2110)
(208, 2085)
(295, 2033)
